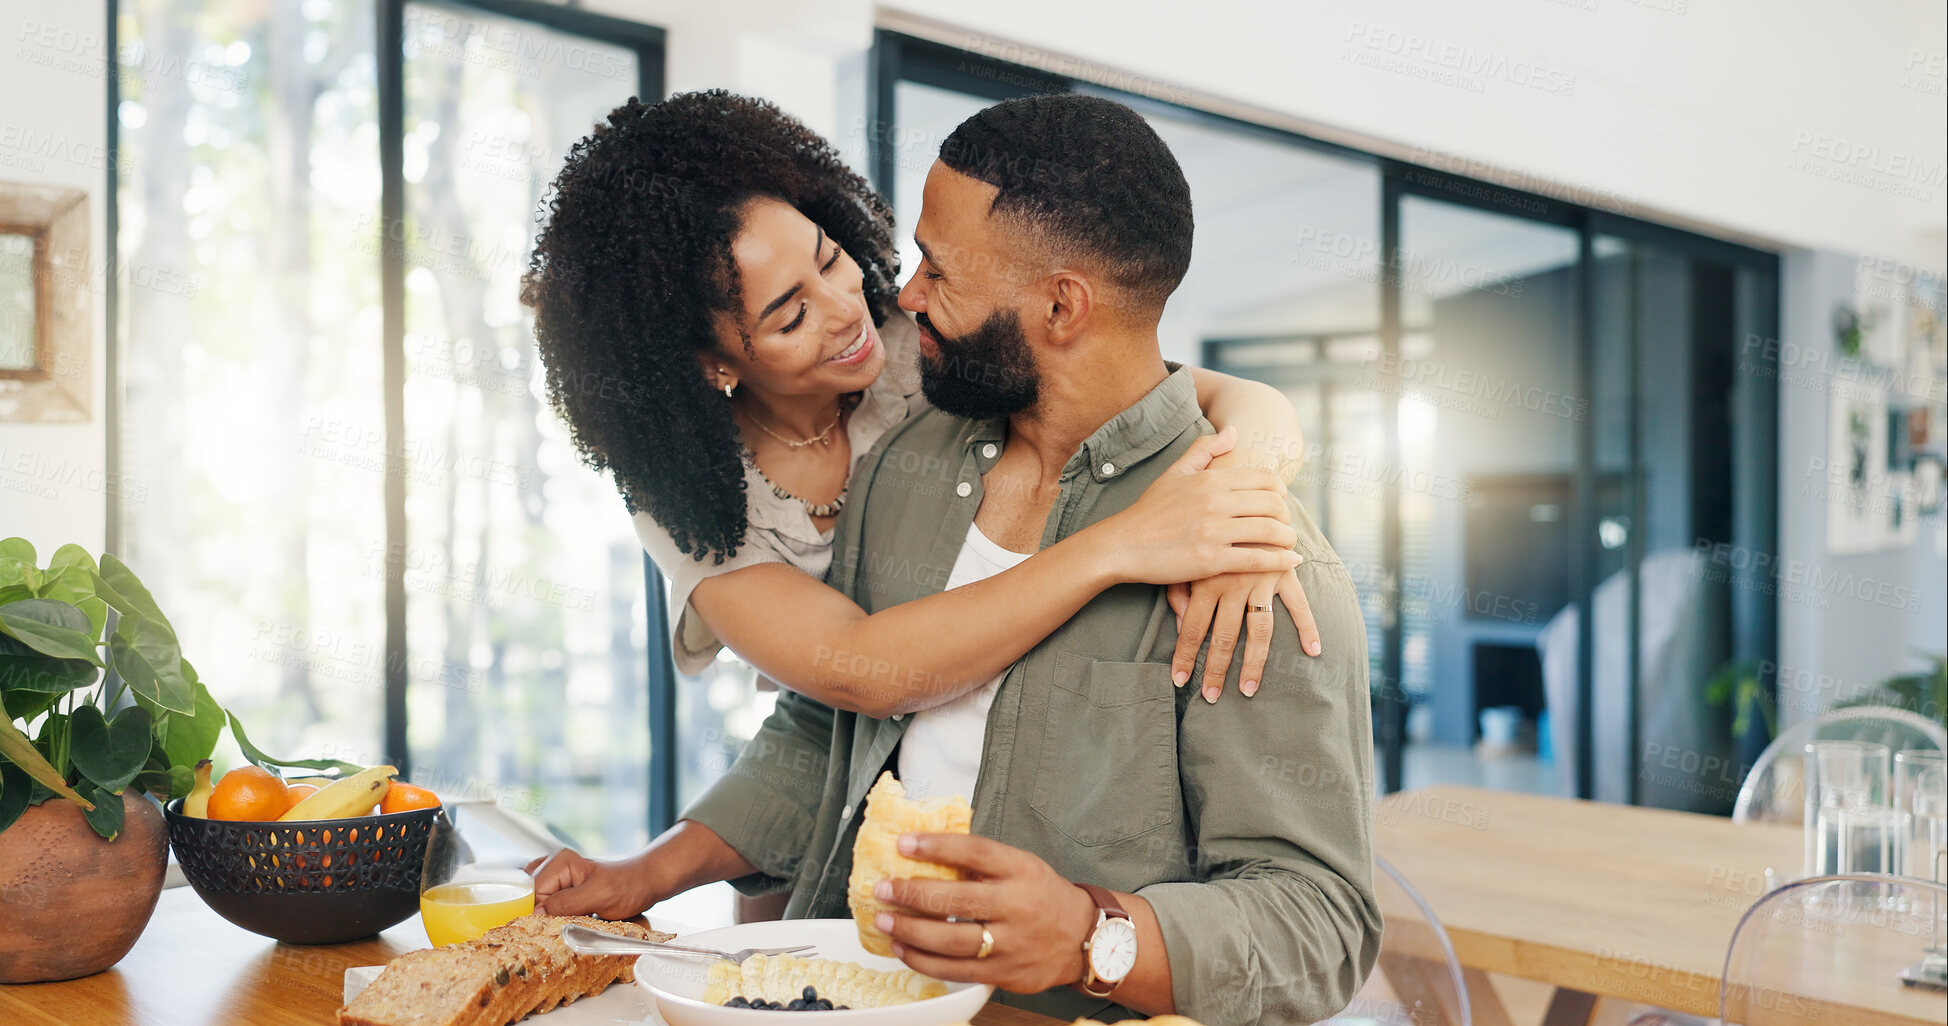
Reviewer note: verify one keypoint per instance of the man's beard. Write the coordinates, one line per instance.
(987, 373)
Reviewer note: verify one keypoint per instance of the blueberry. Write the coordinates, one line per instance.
(811, 993)
(737, 1002)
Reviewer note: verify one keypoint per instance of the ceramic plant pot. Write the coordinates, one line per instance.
(71, 903)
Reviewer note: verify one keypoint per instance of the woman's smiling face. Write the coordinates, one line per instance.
(804, 310)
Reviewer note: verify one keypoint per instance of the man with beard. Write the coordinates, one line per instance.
(1132, 849)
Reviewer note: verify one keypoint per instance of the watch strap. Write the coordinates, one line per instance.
(1104, 900)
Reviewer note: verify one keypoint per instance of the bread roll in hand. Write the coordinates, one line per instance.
(876, 853)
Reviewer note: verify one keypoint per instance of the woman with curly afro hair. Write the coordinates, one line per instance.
(715, 304)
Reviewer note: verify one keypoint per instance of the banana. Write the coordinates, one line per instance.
(353, 796)
(198, 802)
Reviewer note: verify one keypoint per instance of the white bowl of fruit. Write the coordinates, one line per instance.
(691, 990)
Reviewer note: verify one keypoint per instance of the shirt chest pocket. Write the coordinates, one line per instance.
(1108, 765)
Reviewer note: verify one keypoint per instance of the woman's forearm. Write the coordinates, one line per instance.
(919, 654)
(1268, 426)
(913, 655)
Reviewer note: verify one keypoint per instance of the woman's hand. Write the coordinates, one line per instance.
(1192, 522)
(1227, 597)
(569, 883)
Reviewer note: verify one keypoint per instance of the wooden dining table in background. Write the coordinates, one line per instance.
(192, 968)
(1604, 901)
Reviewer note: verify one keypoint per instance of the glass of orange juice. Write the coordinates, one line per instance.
(461, 910)
(458, 899)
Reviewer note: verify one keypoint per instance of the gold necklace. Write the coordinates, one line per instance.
(815, 439)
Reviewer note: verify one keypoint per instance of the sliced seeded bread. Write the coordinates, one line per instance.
(505, 975)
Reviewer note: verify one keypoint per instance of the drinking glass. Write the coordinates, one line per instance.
(1845, 780)
(459, 898)
(1921, 791)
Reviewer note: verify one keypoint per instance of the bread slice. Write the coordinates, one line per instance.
(500, 978)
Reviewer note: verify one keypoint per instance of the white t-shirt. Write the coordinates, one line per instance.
(940, 754)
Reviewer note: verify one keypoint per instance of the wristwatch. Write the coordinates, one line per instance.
(1109, 952)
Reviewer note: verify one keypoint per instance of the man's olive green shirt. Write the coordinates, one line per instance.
(1246, 824)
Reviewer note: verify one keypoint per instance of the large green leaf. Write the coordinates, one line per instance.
(271, 763)
(23, 669)
(106, 816)
(123, 584)
(189, 739)
(174, 782)
(15, 789)
(14, 592)
(110, 753)
(20, 573)
(25, 705)
(51, 628)
(17, 548)
(146, 655)
(75, 585)
(15, 746)
(72, 555)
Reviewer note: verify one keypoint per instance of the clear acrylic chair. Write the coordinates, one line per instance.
(1418, 980)
(1832, 949)
(1775, 789)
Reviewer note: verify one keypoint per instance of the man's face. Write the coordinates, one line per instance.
(976, 359)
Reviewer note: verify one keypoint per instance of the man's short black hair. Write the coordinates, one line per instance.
(1092, 178)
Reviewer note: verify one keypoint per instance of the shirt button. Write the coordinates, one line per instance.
(988, 450)
(845, 813)
(899, 716)
(1108, 469)
(963, 489)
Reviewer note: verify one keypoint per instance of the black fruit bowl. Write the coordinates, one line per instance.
(321, 882)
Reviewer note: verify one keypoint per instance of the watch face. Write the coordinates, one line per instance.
(1112, 951)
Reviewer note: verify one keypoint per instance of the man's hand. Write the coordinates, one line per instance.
(1038, 920)
(569, 883)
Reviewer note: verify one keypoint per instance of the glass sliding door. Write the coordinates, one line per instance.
(521, 577)
(248, 316)
(1685, 472)
(1487, 378)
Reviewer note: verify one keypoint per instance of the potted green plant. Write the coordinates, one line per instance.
(98, 711)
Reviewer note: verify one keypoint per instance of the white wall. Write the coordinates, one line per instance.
(52, 132)
(792, 52)
(1848, 621)
(1731, 114)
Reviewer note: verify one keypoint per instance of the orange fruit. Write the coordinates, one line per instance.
(405, 797)
(249, 793)
(298, 793)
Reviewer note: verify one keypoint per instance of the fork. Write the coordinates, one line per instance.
(585, 941)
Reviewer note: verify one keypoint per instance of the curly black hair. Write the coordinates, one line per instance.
(632, 262)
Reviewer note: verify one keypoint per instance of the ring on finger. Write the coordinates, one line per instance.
(987, 943)
(1258, 607)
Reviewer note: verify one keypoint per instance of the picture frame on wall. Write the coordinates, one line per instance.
(46, 304)
(1857, 478)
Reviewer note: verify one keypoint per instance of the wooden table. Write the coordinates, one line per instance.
(191, 968)
(1603, 900)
